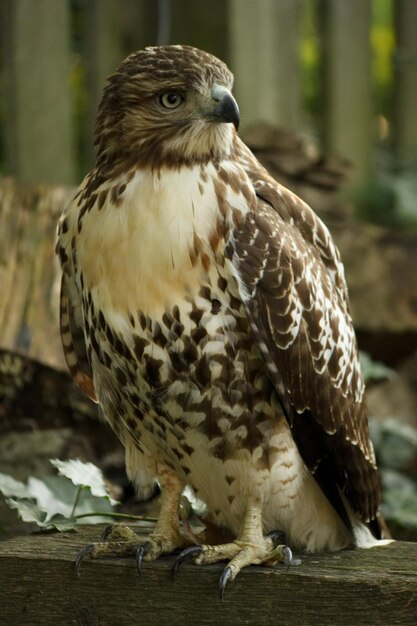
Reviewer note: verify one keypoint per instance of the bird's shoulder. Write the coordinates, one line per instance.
(284, 216)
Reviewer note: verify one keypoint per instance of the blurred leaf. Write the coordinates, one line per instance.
(85, 475)
(374, 370)
(191, 503)
(399, 499)
(11, 487)
(191, 510)
(405, 190)
(376, 203)
(389, 200)
(54, 495)
(400, 429)
(383, 42)
(395, 443)
(28, 511)
(63, 524)
(87, 503)
(60, 502)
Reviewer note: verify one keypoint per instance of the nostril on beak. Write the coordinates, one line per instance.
(227, 109)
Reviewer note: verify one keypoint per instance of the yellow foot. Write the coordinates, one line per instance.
(240, 553)
(120, 541)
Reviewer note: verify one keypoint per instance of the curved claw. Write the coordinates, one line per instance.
(142, 549)
(224, 579)
(288, 560)
(107, 532)
(88, 549)
(186, 554)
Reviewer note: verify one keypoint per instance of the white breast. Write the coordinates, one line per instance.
(136, 256)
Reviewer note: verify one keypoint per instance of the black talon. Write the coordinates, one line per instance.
(143, 548)
(278, 538)
(186, 554)
(83, 553)
(224, 579)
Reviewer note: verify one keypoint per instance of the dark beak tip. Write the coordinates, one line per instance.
(228, 111)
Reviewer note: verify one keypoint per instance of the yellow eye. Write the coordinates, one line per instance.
(171, 99)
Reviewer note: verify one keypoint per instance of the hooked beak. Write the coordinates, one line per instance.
(226, 109)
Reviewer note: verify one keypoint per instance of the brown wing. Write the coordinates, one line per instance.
(293, 286)
(71, 310)
(72, 336)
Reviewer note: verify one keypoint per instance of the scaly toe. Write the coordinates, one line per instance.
(107, 532)
(239, 554)
(118, 532)
(108, 549)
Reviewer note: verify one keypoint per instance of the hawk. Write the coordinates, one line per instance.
(204, 307)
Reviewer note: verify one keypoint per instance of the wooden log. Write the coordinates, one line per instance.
(38, 585)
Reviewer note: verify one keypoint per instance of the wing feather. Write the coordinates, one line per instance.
(72, 336)
(293, 285)
(71, 311)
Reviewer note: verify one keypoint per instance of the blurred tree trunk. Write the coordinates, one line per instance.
(200, 23)
(405, 92)
(111, 29)
(29, 273)
(264, 39)
(103, 53)
(36, 46)
(347, 83)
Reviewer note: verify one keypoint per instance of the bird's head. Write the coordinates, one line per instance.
(167, 106)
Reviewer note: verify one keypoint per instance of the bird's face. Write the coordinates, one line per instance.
(168, 106)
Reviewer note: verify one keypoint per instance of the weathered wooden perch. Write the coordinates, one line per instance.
(38, 585)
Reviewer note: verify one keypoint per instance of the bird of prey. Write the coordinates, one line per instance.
(204, 307)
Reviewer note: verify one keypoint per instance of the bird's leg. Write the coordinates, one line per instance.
(166, 536)
(120, 541)
(250, 548)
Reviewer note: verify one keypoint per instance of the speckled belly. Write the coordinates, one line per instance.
(192, 390)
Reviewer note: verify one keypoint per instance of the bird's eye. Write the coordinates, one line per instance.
(171, 99)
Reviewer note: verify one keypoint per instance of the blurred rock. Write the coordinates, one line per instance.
(294, 162)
